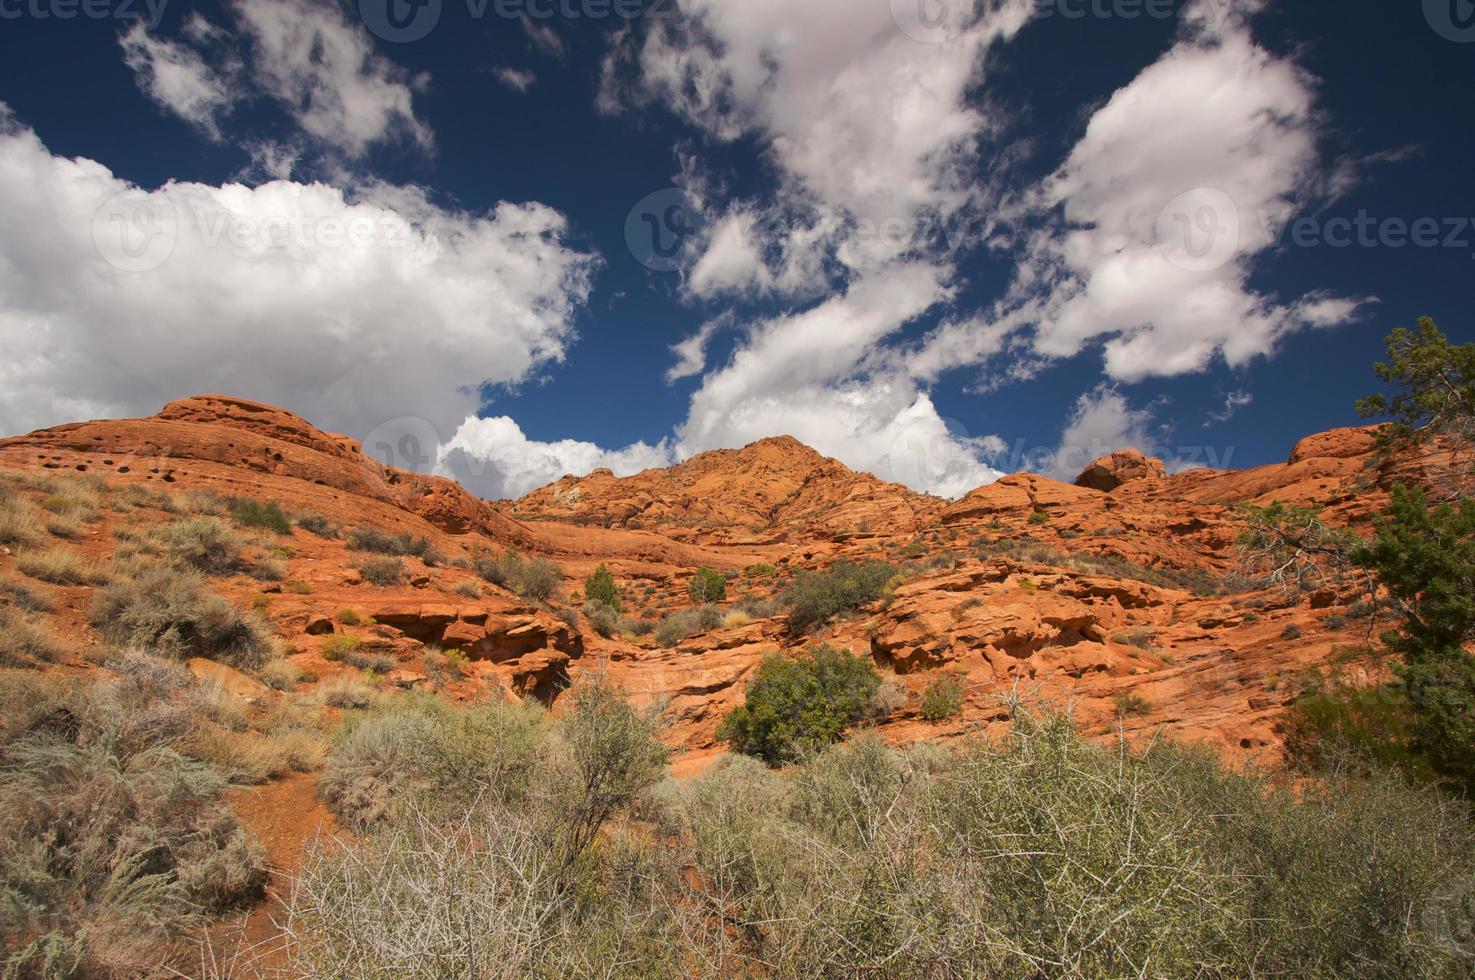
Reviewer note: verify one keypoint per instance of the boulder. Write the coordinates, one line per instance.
(1122, 466)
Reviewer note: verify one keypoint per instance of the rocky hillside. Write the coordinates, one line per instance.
(1115, 594)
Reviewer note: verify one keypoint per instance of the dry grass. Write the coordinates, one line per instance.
(348, 691)
(20, 525)
(59, 566)
(280, 675)
(25, 643)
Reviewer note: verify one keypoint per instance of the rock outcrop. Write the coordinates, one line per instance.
(1122, 466)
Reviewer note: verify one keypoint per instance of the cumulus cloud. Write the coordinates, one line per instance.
(1164, 206)
(319, 66)
(323, 69)
(691, 353)
(492, 458)
(177, 77)
(352, 310)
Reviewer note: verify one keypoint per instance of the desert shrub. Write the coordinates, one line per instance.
(1141, 639)
(756, 608)
(736, 619)
(205, 544)
(468, 590)
(537, 579)
(398, 545)
(1335, 622)
(203, 502)
(319, 525)
(417, 751)
(347, 691)
(1131, 705)
(605, 620)
(169, 610)
(794, 705)
(59, 566)
(760, 570)
(1039, 517)
(707, 587)
(444, 665)
(352, 617)
(110, 848)
(65, 526)
(1291, 632)
(686, 623)
(1334, 725)
(280, 674)
(268, 570)
(22, 596)
(338, 646)
(600, 588)
(817, 596)
(268, 515)
(943, 697)
(383, 572)
(20, 525)
(24, 643)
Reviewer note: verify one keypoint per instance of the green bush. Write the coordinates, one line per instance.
(943, 698)
(817, 596)
(537, 579)
(795, 705)
(170, 611)
(707, 587)
(319, 525)
(396, 545)
(599, 587)
(1131, 705)
(268, 516)
(606, 621)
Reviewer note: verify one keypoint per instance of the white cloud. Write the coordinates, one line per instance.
(691, 353)
(350, 311)
(515, 78)
(323, 69)
(492, 458)
(1167, 200)
(868, 126)
(177, 77)
(1233, 402)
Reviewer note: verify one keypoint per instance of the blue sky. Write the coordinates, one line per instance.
(938, 239)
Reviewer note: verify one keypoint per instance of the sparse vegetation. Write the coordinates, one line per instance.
(25, 643)
(817, 596)
(319, 525)
(268, 515)
(707, 587)
(394, 545)
(687, 623)
(205, 544)
(943, 697)
(537, 579)
(169, 610)
(340, 645)
(1131, 705)
(383, 572)
(795, 705)
(59, 566)
(600, 588)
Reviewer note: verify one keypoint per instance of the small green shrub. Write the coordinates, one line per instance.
(760, 570)
(1039, 517)
(269, 516)
(338, 646)
(538, 579)
(600, 588)
(817, 596)
(795, 705)
(707, 587)
(944, 696)
(1131, 705)
(397, 545)
(1291, 632)
(606, 621)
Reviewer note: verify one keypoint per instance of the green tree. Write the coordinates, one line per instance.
(1425, 558)
(1437, 379)
(600, 587)
(797, 704)
(708, 586)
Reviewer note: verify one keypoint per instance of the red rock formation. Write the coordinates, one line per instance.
(1122, 466)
